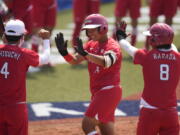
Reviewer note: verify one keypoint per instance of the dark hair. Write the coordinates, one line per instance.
(166, 46)
(13, 38)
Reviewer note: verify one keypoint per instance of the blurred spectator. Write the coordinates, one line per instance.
(3, 9)
(44, 15)
(22, 10)
(121, 9)
(167, 8)
(81, 9)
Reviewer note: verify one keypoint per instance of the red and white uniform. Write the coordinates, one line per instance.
(14, 63)
(164, 78)
(22, 10)
(161, 71)
(131, 6)
(163, 7)
(44, 13)
(81, 9)
(104, 82)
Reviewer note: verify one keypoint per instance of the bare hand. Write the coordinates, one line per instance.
(44, 34)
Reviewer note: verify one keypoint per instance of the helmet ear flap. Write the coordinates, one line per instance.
(86, 33)
(102, 29)
(153, 40)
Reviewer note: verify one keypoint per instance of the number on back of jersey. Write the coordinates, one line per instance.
(4, 70)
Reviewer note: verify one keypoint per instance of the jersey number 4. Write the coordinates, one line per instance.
(164, 72)
(4, 70)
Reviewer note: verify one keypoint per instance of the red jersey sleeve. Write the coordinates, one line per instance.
(139, 56)
(31, 57)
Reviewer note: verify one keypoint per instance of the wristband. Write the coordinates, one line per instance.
(68, 57)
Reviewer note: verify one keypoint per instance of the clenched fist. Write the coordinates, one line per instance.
(44, 34)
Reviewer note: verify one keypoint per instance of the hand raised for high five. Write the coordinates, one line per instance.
(121, 31)
(79, 48)
(44, 34)
(61, 44)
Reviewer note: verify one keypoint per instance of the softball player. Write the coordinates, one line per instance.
(81, 9)
(14, 63)
(22, 10)
(44, 16)
(161, 71)
(167, 8)
(121, 9)
(104, 61)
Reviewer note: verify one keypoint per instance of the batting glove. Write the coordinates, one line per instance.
(61, 44)
(121, 32)
(79, 48)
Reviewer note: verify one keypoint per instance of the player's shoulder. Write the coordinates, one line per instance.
(144, 51)
(2, 45)
(113, 43)
(28, 51)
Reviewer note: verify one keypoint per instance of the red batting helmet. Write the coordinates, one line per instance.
(94, 21)
(160, 34)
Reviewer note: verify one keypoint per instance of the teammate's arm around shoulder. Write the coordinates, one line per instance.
(45, 56)
(62, 48)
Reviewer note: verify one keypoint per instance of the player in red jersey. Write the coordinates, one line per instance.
(81, 9)
(104, 61)
(22, 10)
(167, 8)
(161, 72)
(44, 16)
(14, 63)
(121, 9)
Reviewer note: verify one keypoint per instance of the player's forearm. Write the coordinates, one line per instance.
(73, 59)
(131, 50)
(45, 56)
(96, 59)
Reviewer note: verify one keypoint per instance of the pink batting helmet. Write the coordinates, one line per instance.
(160, 34)
(94, 21)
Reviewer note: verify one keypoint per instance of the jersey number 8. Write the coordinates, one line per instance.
(164, 72)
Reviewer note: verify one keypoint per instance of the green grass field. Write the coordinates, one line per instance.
(71, 83)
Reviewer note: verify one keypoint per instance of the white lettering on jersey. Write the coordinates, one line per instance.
(159, 56)
(97, 70)
(10, 54)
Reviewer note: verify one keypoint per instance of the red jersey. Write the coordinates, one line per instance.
(127, 6)
(22, 10)
(161, 71)
(100, 76)
(14, 63)
(44, 13)
(162, 7)
(82, 8)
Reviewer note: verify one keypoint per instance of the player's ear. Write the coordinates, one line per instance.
(21, 41)
(4, 39)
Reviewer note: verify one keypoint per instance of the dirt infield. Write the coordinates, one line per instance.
(123, 125)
